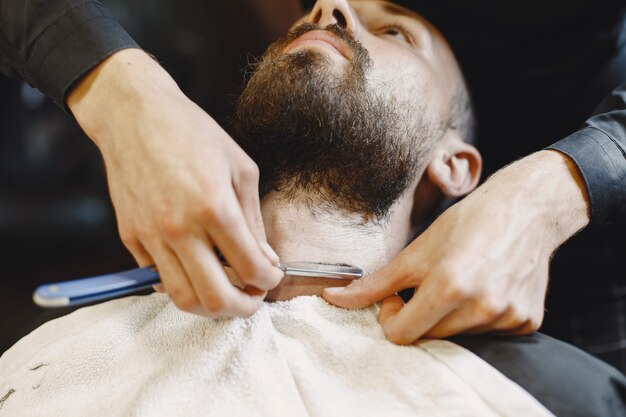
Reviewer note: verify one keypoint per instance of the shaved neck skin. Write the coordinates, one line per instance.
(330, 235)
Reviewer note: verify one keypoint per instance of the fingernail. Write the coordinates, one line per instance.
(269, 252)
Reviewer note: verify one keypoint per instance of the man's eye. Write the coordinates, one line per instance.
(399, 32)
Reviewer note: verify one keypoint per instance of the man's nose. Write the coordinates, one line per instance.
(329, 12)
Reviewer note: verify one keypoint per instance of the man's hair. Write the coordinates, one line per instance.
(461, 115)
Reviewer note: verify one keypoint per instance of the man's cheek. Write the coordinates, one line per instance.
(395, 82)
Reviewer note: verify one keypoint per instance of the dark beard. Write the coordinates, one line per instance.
(312, 130)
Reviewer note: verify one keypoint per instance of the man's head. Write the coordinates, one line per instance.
(353, 105)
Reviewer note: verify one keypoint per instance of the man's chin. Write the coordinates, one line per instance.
(305, 63)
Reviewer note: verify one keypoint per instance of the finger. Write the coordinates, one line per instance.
(522, 325)
(390, 307)
(471, 317)
(524, 317)
(530, 319)
(420, 314)
(505, 322)
(143, 259)
(229, 230)
(246, 186)
(524, 329)
(247, 191)
(269, 252)
(174, 279)
(137, 250)
(368, 290)
(218, 297)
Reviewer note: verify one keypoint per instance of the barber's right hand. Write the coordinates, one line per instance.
(180, 186)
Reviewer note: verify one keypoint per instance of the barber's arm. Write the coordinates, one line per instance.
(483, 265)
(599, 152)
(179, 183)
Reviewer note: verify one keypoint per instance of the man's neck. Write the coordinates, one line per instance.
(297, 233)
(299, 229)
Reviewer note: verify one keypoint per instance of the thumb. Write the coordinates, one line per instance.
(369, 290)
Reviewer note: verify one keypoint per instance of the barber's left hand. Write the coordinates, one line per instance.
(483, 265)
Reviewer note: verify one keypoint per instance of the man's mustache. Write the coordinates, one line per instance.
(355, 46)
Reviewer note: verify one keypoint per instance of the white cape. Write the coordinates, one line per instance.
(140, 356)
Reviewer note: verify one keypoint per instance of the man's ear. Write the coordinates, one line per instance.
(455, 167)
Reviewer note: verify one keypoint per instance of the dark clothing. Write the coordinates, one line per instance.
(566, 380)
(53, 43)
(537, 70)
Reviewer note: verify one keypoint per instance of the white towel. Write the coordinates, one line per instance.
(140, 356)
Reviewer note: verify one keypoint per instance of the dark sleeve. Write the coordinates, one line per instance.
(599, 152)
(52, 43)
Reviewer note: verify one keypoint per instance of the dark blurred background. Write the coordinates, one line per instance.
(56, 220)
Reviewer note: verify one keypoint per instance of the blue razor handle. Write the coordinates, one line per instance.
(98, 288)
(105, 287)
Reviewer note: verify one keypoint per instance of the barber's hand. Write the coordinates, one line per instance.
(483, 265)
(180, 186)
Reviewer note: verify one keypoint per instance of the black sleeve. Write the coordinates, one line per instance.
(599, 152)
(52, 43)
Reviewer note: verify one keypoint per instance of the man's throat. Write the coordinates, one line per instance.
(297, 233)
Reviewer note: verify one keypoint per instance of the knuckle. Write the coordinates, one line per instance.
(250, 171)
(147, 234)
(216, 211)
(535, 323)
(213, 304)
(183, 301)
(248, 312)
(525, 329)
(517, 318)
(209, 215)
(529, 326)
(245, 311)
(253, 272)
(129, 237)
(456, 289)
(490, 308)
(172, 228)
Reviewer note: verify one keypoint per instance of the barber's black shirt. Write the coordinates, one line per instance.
(53, 43)
(542, 73)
